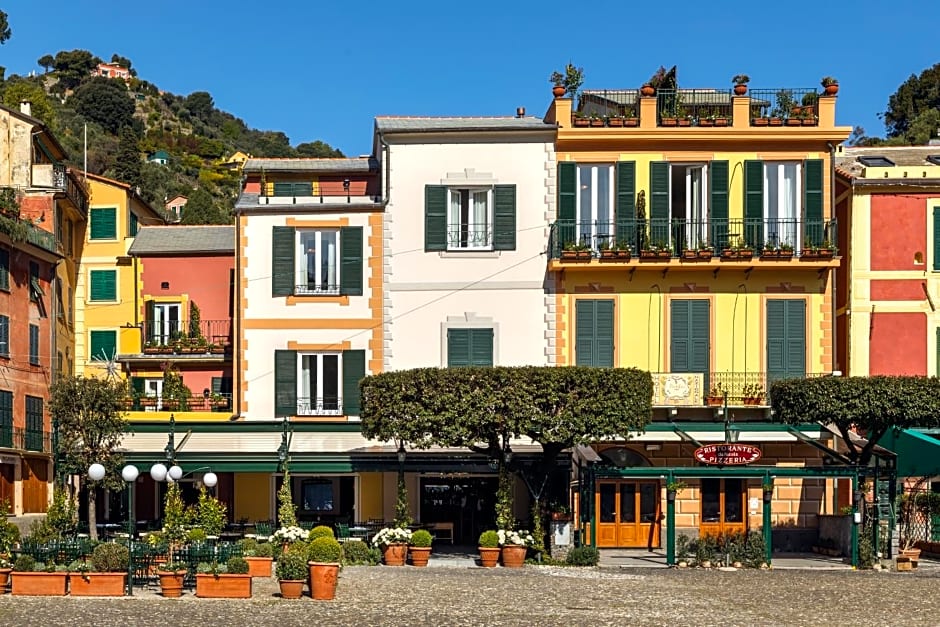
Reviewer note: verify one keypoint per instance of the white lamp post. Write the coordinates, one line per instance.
(129, 474)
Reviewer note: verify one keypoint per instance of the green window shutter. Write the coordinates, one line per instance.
(625, 208)
(786, 339)
(103, 224)
(350, 273)
(354, 370)
(285, 383)
(659, 202)
(813, 201)
(458, 348)
(133, 224)
(689, 337)
(481, 346)
(138, 384)
(151, 332)
(594, 333)
(754, 202)
(718, 203)
(4, 269)
(504, 217)
(102, 345)
(5, 336)
(566, 231)
(103, 285)
(679, 340)
(435, 217)
(283, 189)
(936, 238)
(216, 385)
(34, 344)
(282, 261)
(6, 418)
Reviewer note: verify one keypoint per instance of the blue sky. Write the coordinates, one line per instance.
(323, 70)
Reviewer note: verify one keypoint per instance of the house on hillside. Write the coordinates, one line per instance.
(160, 157)
(112, 70)
(174, 207)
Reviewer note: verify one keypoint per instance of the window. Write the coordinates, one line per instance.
(4, 269)
(35, 289)
(60, 363)
(34, 435)
(69, 236)
(319, 378)
(316, 261)
(163, 322)
(103, 285)
(103, 224)
(102, 345)
(595, 203)
(469, 219)
(475, 216)
(782, 203)
(317, 495)
(594, 332)
(69, 304)
(4, 336)
(317, 384)
(132, 224)
(34, 344)
(6, 419)
(469, 347)
(60, 304)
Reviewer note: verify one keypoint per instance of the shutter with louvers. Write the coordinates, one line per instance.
(4, 335)
(813, 201)
(139, 387)
(435, 217)
(625, 210)
(102, 345)
(718, 205)
(584, 332)
(282, 261)
(103, 224)
(458, 348)
(149, 320)
(565, 230)
(594, 333)
(754, 203)
(103, 285)
(283, 189)
(34, 344)
(133, 225)
(350, 274)
(4, 269)
(659, 203)
(936, 238)
(689, 337)
(6, 419)
(786, 339)
(504, 217)
(481, 347)
(354, 370)
(285, 383)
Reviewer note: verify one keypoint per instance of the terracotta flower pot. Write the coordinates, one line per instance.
(489, 556)
(171, 583)
(395, 554)
(832, 90)
(514, 556)
(97, 584)
(647, 90)
(323, 578)
(225, 586)
(558, 91)
(419, 555)
(259, 566)
(740, 90)
(39, 584)
(291, 588)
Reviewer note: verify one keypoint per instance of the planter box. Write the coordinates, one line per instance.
(822, 253)
(97, 584)
(489, 556)
(615, 255)
(737, 255)
(576, 255)
(259, 566)
(223, 586)
(40, 584)
(4, 579)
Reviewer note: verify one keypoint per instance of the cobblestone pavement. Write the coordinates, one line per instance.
(532, 596)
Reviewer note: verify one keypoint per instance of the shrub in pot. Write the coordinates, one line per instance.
(489, 548)
(291, 574)
(321, 531)
(229, 580)
(259, 556)
(324, 556)
(171, 579)
(37, 578)
(420, 547)
(107, 575)
(360, 553)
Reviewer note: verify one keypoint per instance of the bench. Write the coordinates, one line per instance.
(443, 531)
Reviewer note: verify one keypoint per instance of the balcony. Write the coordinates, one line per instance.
(327, 406)
(309, 194)
(184, 339)
(716, 389)
(200, 403)
(693, 242)
(25, 439)
(49, 175)
(42, 239)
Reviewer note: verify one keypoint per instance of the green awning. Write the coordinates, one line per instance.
(918, 454)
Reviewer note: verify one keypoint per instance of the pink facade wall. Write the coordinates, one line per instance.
(898, 231)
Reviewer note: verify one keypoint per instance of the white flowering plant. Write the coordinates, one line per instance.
(392, 535)
(508, 537)
(290, 534)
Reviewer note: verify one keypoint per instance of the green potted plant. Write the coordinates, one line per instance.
(740, 82)
(629, 116)
(514, 545)
(324, 556)
(107, 576)
(171, 576)
(291, 574)
(259, 556)
(716, 396)
(393, 542)
(488, 545)
(831, 85)
(674, 488)
(420, 547)
(575, 251)
(32, 578)
(752, 393)
(223, 581)
(557, 79)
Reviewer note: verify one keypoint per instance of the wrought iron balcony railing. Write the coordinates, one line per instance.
(186, 336)
(199, 403)
(784, 107)
(742, 388)
(25, 439)
(673, 238)
(323, 406)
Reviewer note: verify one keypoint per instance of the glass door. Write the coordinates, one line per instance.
(723, 506)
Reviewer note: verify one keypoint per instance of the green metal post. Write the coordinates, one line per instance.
(132, 529)
(670, 522)
(768, 531)
(854, 521)
(876, 527)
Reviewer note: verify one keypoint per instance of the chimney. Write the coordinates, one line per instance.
(26, 107)
(520, 112)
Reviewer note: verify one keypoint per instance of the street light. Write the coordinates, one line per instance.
(129, 474)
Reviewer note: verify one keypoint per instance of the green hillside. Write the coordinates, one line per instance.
(127, 121)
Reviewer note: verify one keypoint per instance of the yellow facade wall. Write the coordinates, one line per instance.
(371, 496)
(253, 496)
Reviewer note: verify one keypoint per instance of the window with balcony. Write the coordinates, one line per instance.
(317, 261)
(317, 383)
(783, 203)
(688, 205)
(595, 203)
(163, 322)
(472, 216)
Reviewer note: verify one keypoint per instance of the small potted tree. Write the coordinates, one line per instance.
(107, 575)
(740, 84)
(171, 577)
(420, 547)
(488, 546)
(323, 559)
(292, 574)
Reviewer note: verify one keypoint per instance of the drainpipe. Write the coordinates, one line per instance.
(832, 213)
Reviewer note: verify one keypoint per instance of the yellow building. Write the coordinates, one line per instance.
(695, 239)
(106, 295)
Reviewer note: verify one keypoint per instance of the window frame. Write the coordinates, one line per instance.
(459, 223)
(591, 231)
(798, 213)
(4, 269)
(315, 405)
(301, 263)
(5, 324)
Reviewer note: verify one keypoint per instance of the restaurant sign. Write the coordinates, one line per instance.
(727, 454)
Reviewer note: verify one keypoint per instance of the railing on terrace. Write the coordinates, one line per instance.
(211, 403)
(41, 238)
(745, 387)
(76, 192)
(325, 406)
(608, 105)
(324, 193)
(186, 336)
(25, 439)
(668, 238)
(694, 107)
(784, 107)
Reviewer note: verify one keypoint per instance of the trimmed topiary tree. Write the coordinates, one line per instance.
(321, 531)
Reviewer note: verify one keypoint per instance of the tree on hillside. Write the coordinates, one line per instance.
(91, 425)
(46, 62)
(200, 104)
(74, 66)
(127, 162)
(318, 149)
(106, 102)
(868, 405)
(202, 209)
(914, 105)
(5, 32)
(124, 62)
(40, 106)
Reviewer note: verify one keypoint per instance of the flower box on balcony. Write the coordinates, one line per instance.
(615, 255)
(760, 121)
(817, 253)
(737, 255)
(631, 122)
(722, 121)
(576, 255)
(614, 122)
(794, 122)
(597, 122)
(581, 122)
(670, 121)
(714, 401)
(706, 122)
(752, 400)
(656, 255)
(776, 255)
(685, 122)
(776, 121)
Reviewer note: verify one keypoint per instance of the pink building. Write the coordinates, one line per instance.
(112, 70)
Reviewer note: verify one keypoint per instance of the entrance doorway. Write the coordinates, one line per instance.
(628, 513)
(723, 506)
(467, 502)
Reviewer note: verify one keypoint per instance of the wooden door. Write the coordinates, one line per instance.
(723, 506)
(627, 513)
(35, 480)
(6, 485)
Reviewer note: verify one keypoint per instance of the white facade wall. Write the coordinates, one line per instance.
(427, 291)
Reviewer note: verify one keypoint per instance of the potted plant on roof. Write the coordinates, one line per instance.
(488, 545)
(106, 576)
(323, 558)
(831, 85)
(292, 572)
(223, 581)
(420, 547)
(514, 547)
(557, 79)
(740, 84)
(580, 119)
